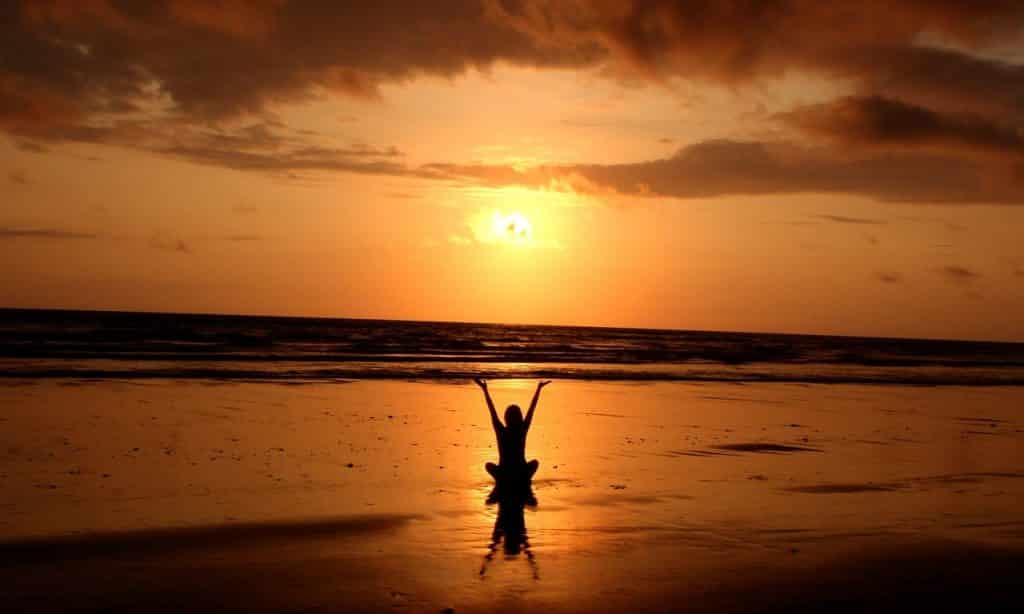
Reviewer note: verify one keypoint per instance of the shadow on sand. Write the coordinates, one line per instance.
(161, 542)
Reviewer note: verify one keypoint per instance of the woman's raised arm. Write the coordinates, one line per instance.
(490, 404)
(533, 404)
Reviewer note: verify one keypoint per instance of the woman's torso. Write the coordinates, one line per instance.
(511, 447)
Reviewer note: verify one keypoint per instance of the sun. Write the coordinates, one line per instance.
(505, 228)
(512, 228)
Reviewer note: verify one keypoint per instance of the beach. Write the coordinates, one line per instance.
(160, 495)
(264, 263)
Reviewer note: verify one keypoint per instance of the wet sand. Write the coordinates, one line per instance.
(371, 496)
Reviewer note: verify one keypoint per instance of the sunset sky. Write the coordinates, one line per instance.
(839, 168)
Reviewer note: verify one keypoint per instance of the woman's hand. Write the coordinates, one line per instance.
(543, 383)
(481, 382)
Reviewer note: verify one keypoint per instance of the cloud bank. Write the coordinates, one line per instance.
(935, 115)
(725, 167)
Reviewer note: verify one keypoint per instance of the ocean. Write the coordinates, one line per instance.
(122, 346)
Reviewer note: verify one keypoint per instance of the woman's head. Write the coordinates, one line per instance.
(513, 416)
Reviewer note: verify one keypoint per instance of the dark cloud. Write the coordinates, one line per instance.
(171, 244)
(946, 224)
(958, 274)
(874, 45)
(299, 159)
(701, 170)
(64, 60)
(878, 121)
(42, 233)
(889, 277)
(842, 219)
(258, 146)
(945, 79)
(725, 167)
(167, 76)
(30, 147)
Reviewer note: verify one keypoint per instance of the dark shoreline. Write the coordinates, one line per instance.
(238, 569)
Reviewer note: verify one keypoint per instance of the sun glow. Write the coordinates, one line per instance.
(499, 228)
(512, 228)
(515, 218)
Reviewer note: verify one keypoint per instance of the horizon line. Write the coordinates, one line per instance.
(511, 324)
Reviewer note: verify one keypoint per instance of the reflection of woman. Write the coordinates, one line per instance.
(511, 437)
(510, 532)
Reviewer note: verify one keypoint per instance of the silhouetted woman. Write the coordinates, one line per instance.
(511, 436)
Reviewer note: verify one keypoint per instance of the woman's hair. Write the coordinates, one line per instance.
(513, 416)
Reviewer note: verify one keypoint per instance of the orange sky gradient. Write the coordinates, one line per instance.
(780, 167)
